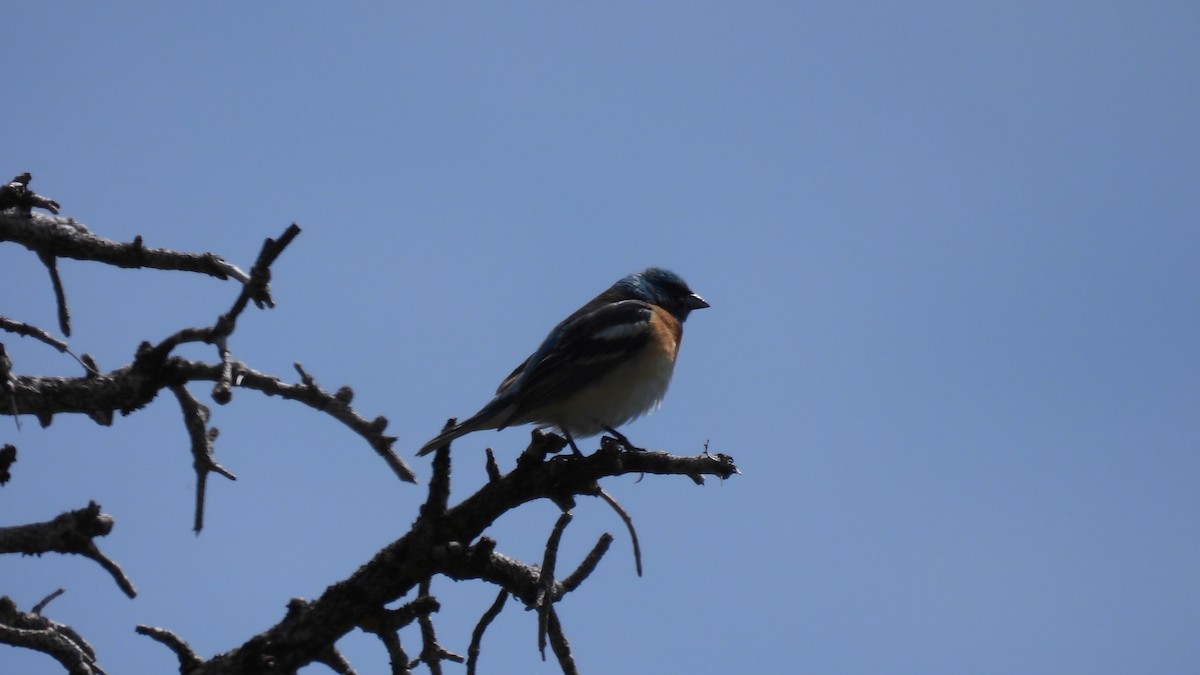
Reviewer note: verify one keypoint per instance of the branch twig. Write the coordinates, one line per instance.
(195, 418)
(484, 621)
(637, 549)
(188, 658)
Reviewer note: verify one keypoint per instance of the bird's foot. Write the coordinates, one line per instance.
(625, 443)
(571, 442)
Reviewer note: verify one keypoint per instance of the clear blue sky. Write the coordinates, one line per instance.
(953, 256)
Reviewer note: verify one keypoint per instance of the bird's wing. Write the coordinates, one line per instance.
(579, 351)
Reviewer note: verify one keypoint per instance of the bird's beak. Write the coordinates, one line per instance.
(696, 302)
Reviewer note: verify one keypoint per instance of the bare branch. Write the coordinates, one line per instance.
(188, 659)
(60, 642)
(637, 549)
(60, 297)
(37, 609)
(16, 194)
(386, 623)
(560, 645)
(545, 594)
(493, 469)
(8, 384)
(195, 417)
(439, 484)
(335, 405)
(26, 330)
(222, 391)
(445, 540)
(62, 237)
(334, 660)
(477, 634)
(432, 652)
(256, 288)
(70, 532)
(8, 457)
(586, 567)
(436, 548)
(133, 386)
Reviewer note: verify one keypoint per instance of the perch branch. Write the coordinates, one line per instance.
(431, 548)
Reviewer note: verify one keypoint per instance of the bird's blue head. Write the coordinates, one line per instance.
(663, 288)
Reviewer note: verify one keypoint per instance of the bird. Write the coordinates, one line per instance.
(606, 364)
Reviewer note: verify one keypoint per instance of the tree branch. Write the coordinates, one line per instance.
(484, 621)
(188, 659)
(8, 457)
(616, 506)
(446, 539)
(30, 630)
(133, 386)
(62, 237)
(441, 547)
(70, 532)
(195, 417)
(16, 195)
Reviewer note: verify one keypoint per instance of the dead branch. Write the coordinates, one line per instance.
(441, 544)
(8, 457)
(30, 630)
(188, 658)
(446, 539)
(62, 237)
(70, 532)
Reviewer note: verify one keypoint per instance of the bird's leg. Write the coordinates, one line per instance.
(623, 440)
(571, 441)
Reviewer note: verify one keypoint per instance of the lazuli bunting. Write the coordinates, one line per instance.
(606, 364)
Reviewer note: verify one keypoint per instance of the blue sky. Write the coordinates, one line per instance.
(952, 252)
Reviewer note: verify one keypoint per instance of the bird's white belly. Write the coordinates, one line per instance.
(626, 393)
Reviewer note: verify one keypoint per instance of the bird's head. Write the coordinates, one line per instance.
(663, 288)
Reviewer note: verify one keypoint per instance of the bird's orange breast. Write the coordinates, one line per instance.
(665, 332)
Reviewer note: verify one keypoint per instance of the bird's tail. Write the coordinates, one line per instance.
(445, 437)
(495, 415)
